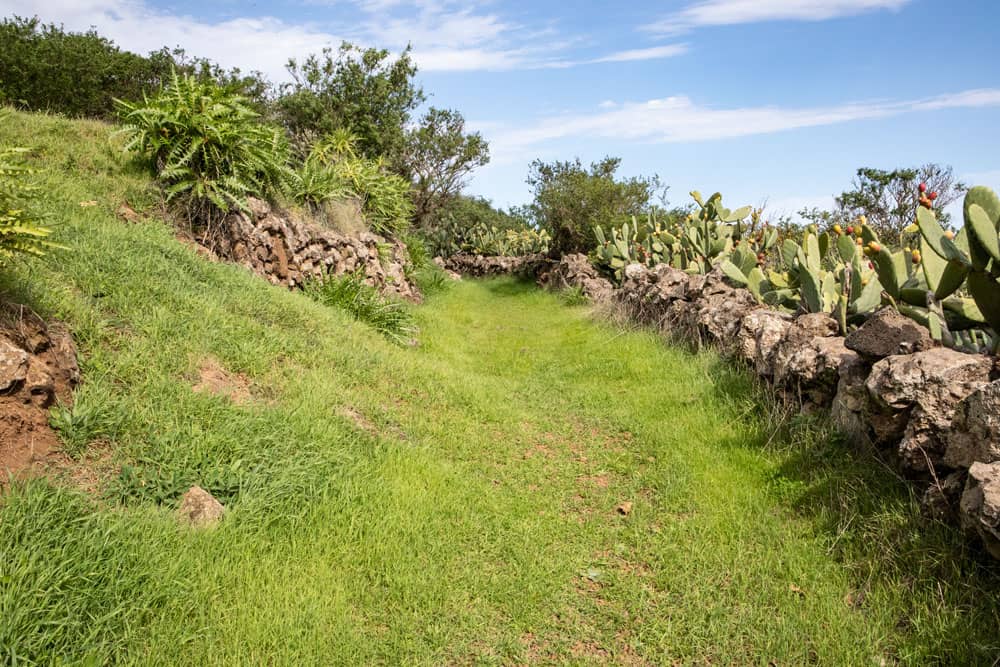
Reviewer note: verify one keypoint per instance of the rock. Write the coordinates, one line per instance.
(849, 403)
(287, 251)
(199, 508)
(39, 383)
(576, 271)
(913, 398)
(980, 505)
(24, 327)
(716, 310)
(760, 330)
(13, 364)
(975, 430)
(480, 266)
(259, 208)
(887, 333)
(811, 370)
(808, 359)
(646, 294)
(941, 500)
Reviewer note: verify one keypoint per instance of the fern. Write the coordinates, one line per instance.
(206, 146)
(21, 230)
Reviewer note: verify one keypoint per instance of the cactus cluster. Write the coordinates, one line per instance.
(969, 259)
(948, 282)
(707, 236)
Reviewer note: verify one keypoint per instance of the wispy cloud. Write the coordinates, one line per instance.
(654, 53)
(679, 119)
(446, 35)
(733, 12)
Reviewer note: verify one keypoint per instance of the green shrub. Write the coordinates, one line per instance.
(570, 200)
(315, 183)
(206, 146)
(385, 196)
(21, 230)
(390, 318)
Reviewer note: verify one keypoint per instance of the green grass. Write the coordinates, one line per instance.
(453, 503)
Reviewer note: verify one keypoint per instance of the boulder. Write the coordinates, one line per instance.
(199, 508)
(975, 429)
(980, 505)
(887, 333)
(913, 398)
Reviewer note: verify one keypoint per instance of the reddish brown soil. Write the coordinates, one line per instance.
(27, 442)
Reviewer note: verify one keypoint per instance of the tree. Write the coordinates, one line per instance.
(363, 90)
(889, 199)
(570, 200)
(439, 156)
(43, 67)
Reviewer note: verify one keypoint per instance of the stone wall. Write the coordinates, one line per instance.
(289, 252)
(934, 411)
(481, 266)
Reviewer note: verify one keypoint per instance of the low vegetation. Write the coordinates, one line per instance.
(945, 281)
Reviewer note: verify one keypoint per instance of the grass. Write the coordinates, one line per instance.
(390, 318)
(453, 503)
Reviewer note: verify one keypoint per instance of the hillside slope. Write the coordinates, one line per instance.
(526, 486)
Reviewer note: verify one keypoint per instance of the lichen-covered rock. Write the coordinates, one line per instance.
(199, 508)
(481, 266)
(576, 271)
(290, 252)
(975, 430)
(887, 333)
(912, 400)
(980, 505)
(760, 330)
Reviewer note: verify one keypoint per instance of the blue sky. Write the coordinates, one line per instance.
(776, 100)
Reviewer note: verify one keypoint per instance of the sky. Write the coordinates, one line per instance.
(776, 101)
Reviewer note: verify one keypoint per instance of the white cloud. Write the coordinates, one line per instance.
(446, 35)
(732, 12)
(654, 53)
(679, 119)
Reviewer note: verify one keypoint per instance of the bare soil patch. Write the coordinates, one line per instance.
(37, 368)
(213, 378)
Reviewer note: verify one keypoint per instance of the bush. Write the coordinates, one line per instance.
(571, 200)
(385, 196)
(43, 67)
(315, 183)
(207, 146)
(390, 318)
(21, 231)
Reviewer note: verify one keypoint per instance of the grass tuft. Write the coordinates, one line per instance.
(349, 293)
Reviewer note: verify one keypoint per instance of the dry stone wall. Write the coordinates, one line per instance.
(290, 252)
(934, 411)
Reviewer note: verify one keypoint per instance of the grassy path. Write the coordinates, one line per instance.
(457, 503)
